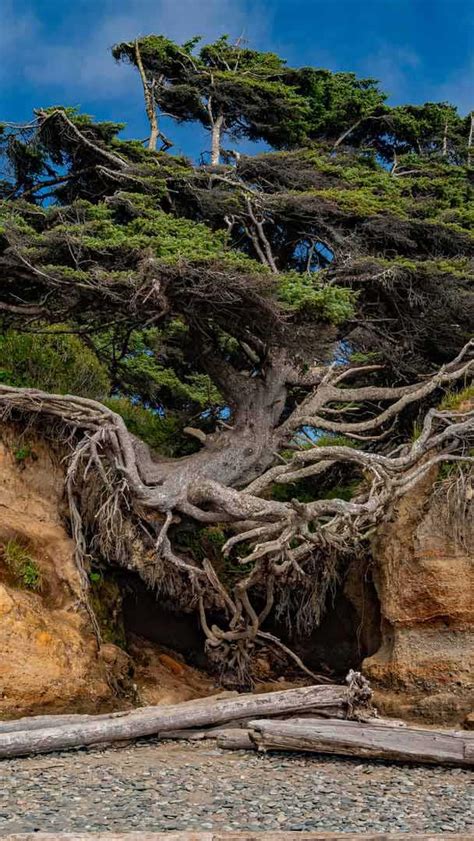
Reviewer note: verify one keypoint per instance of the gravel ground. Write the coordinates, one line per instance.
(176, 785)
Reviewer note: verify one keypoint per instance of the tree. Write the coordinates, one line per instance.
(339, 103)
(229, 88)
(432, 129)
(291, 317)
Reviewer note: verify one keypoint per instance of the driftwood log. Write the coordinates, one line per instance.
(235, 739)
(365, 740)
(157, 721)
(37, 722)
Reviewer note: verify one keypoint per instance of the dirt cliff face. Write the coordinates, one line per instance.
(50, 659)
(424, 576)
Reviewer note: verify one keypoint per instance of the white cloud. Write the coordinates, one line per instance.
(16, 29)
(394, 67)
(459, 88)
(85, 67)
(400, 71)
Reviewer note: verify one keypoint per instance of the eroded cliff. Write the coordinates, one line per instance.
(423, 570)
(424, 576)
(51, 660)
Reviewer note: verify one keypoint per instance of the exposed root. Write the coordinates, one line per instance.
(119, 503)
(457, 490)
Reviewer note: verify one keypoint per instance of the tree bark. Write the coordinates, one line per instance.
(470, 140)
(216, 131)
(235, 739)
(150, 107)
(445, 140)
(375, 741)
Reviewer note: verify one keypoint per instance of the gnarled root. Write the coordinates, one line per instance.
(124, 507)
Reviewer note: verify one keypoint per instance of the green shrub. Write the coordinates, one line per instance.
(22, 566)
(307, 294)
(452, 400)
(57, 362)
(160, 433)
(22, 453)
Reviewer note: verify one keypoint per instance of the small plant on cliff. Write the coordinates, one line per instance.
(22, 453)
(22, 566)
(455, 399)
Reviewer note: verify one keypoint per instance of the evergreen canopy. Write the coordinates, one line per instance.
(228, 88)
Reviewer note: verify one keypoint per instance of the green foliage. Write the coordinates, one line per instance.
(427, 188)
(142, 371)
(16, 217)
(368, 201)
(364, 358)
(132, 226)
(452, 400)
(127, 229)
(163, 434)
(57, 362)
(331, 440)
(434, 128)
(22, 453)
(22, 566)
(336, 100)
(221, 81)
(307, 294)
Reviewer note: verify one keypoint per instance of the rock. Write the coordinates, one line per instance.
(469, 721)
(424, 578)
(231, 794)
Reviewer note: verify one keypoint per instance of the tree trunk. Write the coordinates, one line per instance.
(445, 140)
(149, 101)
(216, 131)
(154, 133)
(152, 721)
(376, 741)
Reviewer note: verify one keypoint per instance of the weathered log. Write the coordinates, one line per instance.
(377, 741)
(469, 749)
(198, 735)
(37, 722)
(373, 721)
(151, 721)
(235, 739)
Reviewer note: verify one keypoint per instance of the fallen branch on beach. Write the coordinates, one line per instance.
(323, 719)
(365, 740)
(40, 736)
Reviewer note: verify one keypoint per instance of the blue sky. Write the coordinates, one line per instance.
(53, 51)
